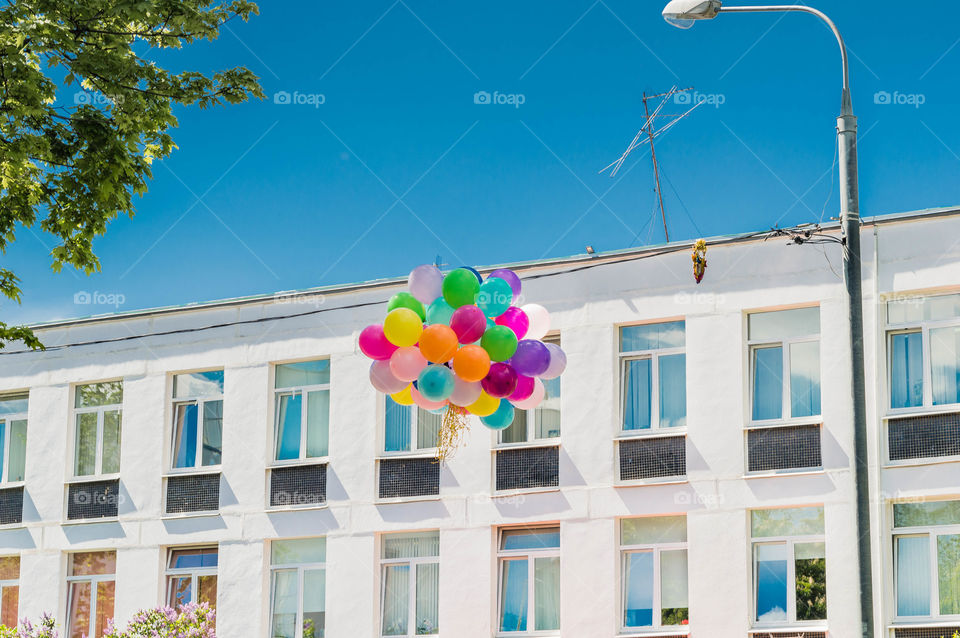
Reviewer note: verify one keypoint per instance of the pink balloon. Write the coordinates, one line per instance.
(501, 380)
(406, 363)
(515, 319)
(374, 344)
(383, 378)
(469, 323)
(524, 389)
(424, 403)
(464, 392)
(534, 399)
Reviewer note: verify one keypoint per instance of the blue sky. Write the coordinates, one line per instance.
(399, 165)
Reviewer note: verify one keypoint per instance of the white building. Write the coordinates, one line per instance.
(692, 478)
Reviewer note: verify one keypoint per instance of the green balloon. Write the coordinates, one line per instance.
(500, 342)
(439, 312)
(406, 300)
(460, 287)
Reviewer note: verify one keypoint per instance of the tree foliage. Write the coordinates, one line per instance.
(84, 111)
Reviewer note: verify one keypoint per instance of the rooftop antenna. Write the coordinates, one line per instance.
(652, 132)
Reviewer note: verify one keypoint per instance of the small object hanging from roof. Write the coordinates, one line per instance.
(699, 260)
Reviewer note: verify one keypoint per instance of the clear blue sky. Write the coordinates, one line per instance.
(399, 165)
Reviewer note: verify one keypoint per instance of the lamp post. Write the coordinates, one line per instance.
(682, 13)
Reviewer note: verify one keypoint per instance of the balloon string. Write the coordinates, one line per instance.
(452, 429)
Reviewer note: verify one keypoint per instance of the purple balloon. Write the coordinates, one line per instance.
(532, 358)
(469, 323)
(501, 381)
(516, 320)
(510, 277)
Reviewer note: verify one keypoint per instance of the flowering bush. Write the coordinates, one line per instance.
(191, 621)
(26, 630)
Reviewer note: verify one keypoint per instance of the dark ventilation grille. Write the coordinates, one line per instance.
(409, 477)
(653, 457)
(298, 485)
(11, 506)
(789, 448)
(926, 632)
(921, 437)
(528, 467)
(93, 500)
(193, 493)
(789, 633)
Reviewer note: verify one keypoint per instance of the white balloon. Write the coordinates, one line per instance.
(426, 283)
(534, 399)
(558, 362)
(465, 392)
(383, 379)
(539, 321)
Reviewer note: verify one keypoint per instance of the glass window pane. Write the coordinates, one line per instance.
(546, 593)
(198, 384)
(179, 591)
(906, 309)
(207, 590)
(530, 539)
(428, 428)
(805, 378)
(547, 414)
(304, 373)
(10, 568)
(810, 569)
(285, 598)
(674, 607)
(941, 307)
(906, 370)
(185, 436)
(516, 432)
(318, 422)
(791, 521)
(93, 563)
(10, 605)
(428, 599)
(653, 529)
(18, 450)
(948, 572)
(190, 558)
(767, 383)
(673, 390)
(783, 324)
(3, 436)
(397, 426)
(111, 441)
(298, 551)
(86, 452)
(930, 513)
(770, 575)
(653, 336)
(913, 575)
(13, 403)
(95, 394)
(638, 589)
(945, 363)
(637, 388)
(513, 595)
(212, 432)
(414, 545)
(78, 610)
(289, 411)
(106, 593)
(396, 600)
(314, 602)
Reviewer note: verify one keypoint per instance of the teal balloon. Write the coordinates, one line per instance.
(436, 382)
(439, 312)
(501, 418)
(406, 300)
(494, 297)
(460, 287)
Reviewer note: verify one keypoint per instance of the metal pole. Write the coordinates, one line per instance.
(656, 171)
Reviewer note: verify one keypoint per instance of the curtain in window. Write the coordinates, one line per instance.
(546, 593)
(913, 575)
(767, 383)
(9, 605)
(428, 598)
(805, 378)
(111, 441)
(638, 589)
(397, 426)
(906, 370)
(289, 409)
(212, 432)
(945, 362)
(318, 422)
(106, 593)
(414, 545)
(18, 450)
(673, 390)
(396, 599)
(948, 573)
(770, 572)
(185, 441)
(636, 394)
(516, 432)
(284, 596)
(513, 595)
(547, 414)
(86, 461)
(428, 428)
(314, 602)
(673, 587)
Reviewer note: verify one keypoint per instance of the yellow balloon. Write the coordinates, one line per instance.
(402, 327)
(403, 397)
(485, 405)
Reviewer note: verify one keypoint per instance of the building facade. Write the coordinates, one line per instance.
(689, 474)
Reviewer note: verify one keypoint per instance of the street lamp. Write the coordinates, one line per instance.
(682, 13)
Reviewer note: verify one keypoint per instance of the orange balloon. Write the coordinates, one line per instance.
(438, 343)
(471, 363)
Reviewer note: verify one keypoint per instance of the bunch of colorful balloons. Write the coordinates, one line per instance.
(458, 340)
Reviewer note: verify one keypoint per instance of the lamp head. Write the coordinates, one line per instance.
(682, 13)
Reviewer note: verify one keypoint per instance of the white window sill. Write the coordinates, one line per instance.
(317, 460)
(185, 515)
(683, 630)
(407, 499)
(89, 521)
(93, 478)
(926, 410)
(666, 480)
(782, 473)
(12, 485)
(193, 471)
(944, 622)
(306, 507)
(416, 454)
(629, 435)
(539, 443)
(786, 630)
(784, 423)
(921, 462)
(517, 492)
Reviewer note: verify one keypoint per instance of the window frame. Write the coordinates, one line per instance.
(98, 473)
(200, 402)
(300, 568)
(656, 549)
(932, 533)
(652, 355)
(530, 556)
(531, 440)
(415, 450)
(13, 582)
(94, 580)
(303, 391)
(194, 572)
(7, 420)
(411, 586)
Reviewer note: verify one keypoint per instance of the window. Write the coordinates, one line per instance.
(97, 433)
(926, 549)
(784, 363)
(653, 376)
(198, 418)
(653, 572)
(789, 565)
(543, 422)
(302, 421)
(9, 591)
(13, 437)
(91, 588)
(410, 584)
(297, 588)
(408, 428)
(529, 580)
(192, 576)
(924, 329)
